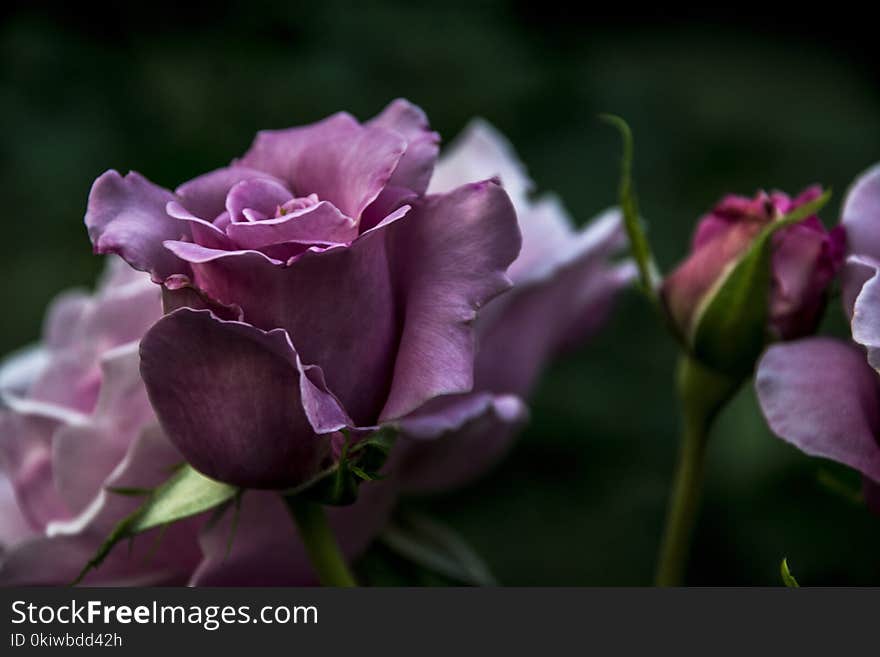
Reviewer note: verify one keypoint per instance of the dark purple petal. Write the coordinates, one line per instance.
(806, 259)
(237, 401)
(338, 159)
(821, 396)
(127, 216)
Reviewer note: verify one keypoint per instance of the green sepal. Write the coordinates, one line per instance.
(649, 277)
(729, 330)
(357, 463)
(186, 493)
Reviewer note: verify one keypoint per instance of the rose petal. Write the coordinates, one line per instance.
(820, 395)
(160, 556)
(205, 196)
(683, 290)
(26, 456)
(450, 256)
(127, 216)
(861, 217)
(866, 310)
(264, 196)
(481, 152)
(237, 401)
(321, 223)
(413, 172)
(203, 232)
(338, 159)
(452, 440)
(21, 368)
(14, 527)
(805, 261)
(85, 454)
(339, 303)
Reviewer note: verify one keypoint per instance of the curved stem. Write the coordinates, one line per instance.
(702, 394)
(320, 543)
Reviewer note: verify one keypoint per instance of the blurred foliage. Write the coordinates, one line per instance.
(717, 104)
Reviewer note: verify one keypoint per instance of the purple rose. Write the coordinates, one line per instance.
(75, 420)
(823, 395)
(564, 284)
(313, 290)
(805, 259)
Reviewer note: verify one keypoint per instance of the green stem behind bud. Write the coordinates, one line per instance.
(702, 394)
(320, 543)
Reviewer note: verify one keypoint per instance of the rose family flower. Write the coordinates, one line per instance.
(805, 258)
(313, 290)
(823, 395)
(74, 414)
(564, 285)
(75, 421)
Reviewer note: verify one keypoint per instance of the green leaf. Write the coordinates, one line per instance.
(787, 578)
(438, 548)
(639, 245)
(730, 326)
(185, 494)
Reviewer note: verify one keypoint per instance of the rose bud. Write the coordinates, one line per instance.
(565, 283)
(823, 395)
(787, 304)
(76, 429)
(313, 291)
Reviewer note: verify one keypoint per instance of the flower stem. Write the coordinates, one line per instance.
(702, 394)
(320, 543)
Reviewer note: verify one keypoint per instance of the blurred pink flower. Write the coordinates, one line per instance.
(564, 284)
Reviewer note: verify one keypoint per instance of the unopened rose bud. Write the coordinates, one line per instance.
(804, 258)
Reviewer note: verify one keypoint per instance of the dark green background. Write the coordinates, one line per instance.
(718, 104)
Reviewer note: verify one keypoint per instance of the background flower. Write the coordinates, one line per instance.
(564, 283)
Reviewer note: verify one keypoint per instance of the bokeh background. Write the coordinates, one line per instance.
(718, 104)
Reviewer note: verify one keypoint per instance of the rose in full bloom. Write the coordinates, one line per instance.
(564, 285)
(823, 395)
(313, 290)
(75, 421)
(805, 259)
